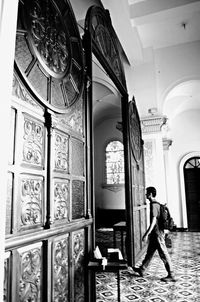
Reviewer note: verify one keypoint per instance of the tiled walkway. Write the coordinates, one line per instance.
(185, 255)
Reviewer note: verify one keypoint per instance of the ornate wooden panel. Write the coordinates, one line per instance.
(30, 273)
(49, 54)
(78, 200)
(105, 43)
(77, 157)
(33, 142)
(46, 201)
(60, 269)
(138, 203)
(61, 199)
(78, 265)
(61, 149)
(31, 202)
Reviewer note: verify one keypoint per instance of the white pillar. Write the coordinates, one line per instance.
(8, 21)
(152, 135)
(166, 144)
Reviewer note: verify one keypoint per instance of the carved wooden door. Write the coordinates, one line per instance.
(48, 225)
(136, 207)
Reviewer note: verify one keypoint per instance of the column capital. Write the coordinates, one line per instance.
(166, 143)
(152, 124)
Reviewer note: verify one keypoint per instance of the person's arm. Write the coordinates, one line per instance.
(148, 232)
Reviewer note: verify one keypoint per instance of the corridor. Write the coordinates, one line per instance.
(185, 255)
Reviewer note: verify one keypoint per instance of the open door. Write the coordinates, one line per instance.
(136, 205)
(48, 222)
(102, 41)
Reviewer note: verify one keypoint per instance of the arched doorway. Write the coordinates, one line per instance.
(192, 192)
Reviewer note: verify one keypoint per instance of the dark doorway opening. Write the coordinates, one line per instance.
(192, 191)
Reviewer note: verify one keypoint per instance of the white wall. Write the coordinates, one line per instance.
(186, 139)
(105, 198)
(141, 82)
(175, 65)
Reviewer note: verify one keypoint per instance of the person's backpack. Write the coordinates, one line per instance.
(165, 220)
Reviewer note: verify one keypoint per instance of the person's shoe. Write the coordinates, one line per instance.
(169, 278)
(139, 271)
(130, 270)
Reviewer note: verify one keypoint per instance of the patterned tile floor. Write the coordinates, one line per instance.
(185, 255)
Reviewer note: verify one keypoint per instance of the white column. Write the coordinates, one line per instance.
(152, 135)
(8, 17)
(166, 144)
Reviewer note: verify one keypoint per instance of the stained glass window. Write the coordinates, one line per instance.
(114, 163)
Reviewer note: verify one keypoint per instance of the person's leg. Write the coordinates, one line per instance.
(149, 254)
(165, 257)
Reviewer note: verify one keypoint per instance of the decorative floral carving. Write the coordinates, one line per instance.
(61, 200)
(61, 152)
(78, 255)
(31, 201)
(33, 142)
(104, 37)
(107, 47)
(135, 131)
(74, 118)
(78, 246)
(48, 36)
(20, 92)
(29, 286)
(61, 271)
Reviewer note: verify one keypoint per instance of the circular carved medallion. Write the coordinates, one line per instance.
(49, 52)
(135, 131)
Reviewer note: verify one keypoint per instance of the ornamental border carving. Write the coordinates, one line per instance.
(153, 124)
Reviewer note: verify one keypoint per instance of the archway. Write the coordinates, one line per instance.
(192, 192)
(183, 161)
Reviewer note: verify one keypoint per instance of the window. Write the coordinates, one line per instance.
(114, 163)
(193, 163)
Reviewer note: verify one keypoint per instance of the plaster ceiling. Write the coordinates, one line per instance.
(155, 24)
(183, 97)
(144, 25)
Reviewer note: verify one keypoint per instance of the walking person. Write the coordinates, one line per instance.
(156, 237)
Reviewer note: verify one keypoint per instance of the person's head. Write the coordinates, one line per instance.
(150, 192)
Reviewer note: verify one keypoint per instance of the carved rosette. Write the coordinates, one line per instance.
(29, 280)
(104, 40)
(33, 146)
(135, 131)
(31, 201)
(49, 53)
(61, 200)
(61, 152)
(60, 271)
(78, 256)
(98, 22)
(48, 37)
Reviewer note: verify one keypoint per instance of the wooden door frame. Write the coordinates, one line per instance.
(92, 47)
